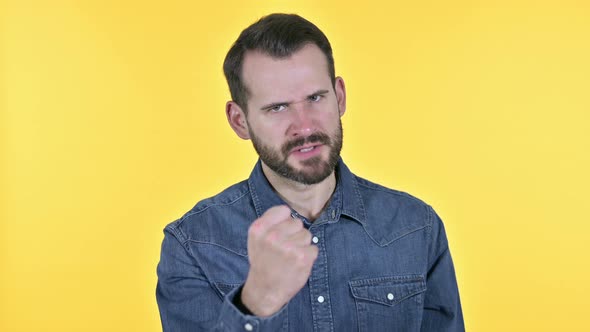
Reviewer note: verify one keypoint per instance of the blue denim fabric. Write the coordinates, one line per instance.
(383, 264)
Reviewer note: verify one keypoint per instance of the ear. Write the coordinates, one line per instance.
(237, 119)
(340, 94)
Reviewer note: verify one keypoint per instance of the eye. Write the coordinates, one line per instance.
(315, 98)
(278, 108)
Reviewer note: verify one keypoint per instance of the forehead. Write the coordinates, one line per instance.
(303, 72)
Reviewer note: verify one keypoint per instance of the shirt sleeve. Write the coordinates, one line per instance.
(189, 302)
(442, 305)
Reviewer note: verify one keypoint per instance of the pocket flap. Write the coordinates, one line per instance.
(388, 290)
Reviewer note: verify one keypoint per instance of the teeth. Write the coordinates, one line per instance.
(306, 149)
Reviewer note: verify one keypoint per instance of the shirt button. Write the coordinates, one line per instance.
(390, 296)
(320, 299)
(315, 239)
(248, 327)
(333, 214)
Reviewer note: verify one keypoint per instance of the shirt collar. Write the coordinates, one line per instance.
(346, 199)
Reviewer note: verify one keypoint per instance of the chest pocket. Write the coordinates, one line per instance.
(224, 288)
(392, 303)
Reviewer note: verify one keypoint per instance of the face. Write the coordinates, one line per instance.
(314, 168)
(294, 112)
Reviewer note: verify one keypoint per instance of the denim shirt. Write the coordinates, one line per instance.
(383, 265)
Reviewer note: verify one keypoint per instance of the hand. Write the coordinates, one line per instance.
(281, 257)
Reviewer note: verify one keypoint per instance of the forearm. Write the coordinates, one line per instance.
(188, 301)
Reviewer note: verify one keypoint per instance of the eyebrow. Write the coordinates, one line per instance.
(272, 105)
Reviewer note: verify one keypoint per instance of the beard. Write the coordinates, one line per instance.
(314, 169)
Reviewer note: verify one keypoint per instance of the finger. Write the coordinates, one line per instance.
(276, 214)
(301, 238)
(271, 217)
(287, 227)
(310, 254)
(279, 234)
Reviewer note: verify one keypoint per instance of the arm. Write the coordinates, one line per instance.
(189, 302)
(442, 306)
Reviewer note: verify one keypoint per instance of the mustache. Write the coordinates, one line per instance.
(313, 138)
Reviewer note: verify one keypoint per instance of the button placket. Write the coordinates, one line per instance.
(319, 290)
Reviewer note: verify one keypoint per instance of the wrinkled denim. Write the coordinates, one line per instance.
(383, 265)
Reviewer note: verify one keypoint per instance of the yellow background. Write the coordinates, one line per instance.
(112, 125)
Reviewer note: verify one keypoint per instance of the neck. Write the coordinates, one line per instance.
(308, 200)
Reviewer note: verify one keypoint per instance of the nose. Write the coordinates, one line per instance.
(302, 122)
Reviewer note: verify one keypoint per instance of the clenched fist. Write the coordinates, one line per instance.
(281, 257)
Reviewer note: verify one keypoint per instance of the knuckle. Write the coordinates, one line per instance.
(255, 229)
(295, 225)
(271, 238)
(282, 226)
(290, 228)
(291, 257)
(299, 259)
(288, 248)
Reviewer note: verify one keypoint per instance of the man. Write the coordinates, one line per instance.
(303, 244)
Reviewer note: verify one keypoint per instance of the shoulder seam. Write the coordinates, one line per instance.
(389, 190)
(192, 213)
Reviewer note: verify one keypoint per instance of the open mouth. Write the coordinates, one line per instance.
(307, 151)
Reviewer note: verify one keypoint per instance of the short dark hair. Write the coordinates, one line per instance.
(278, 35)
